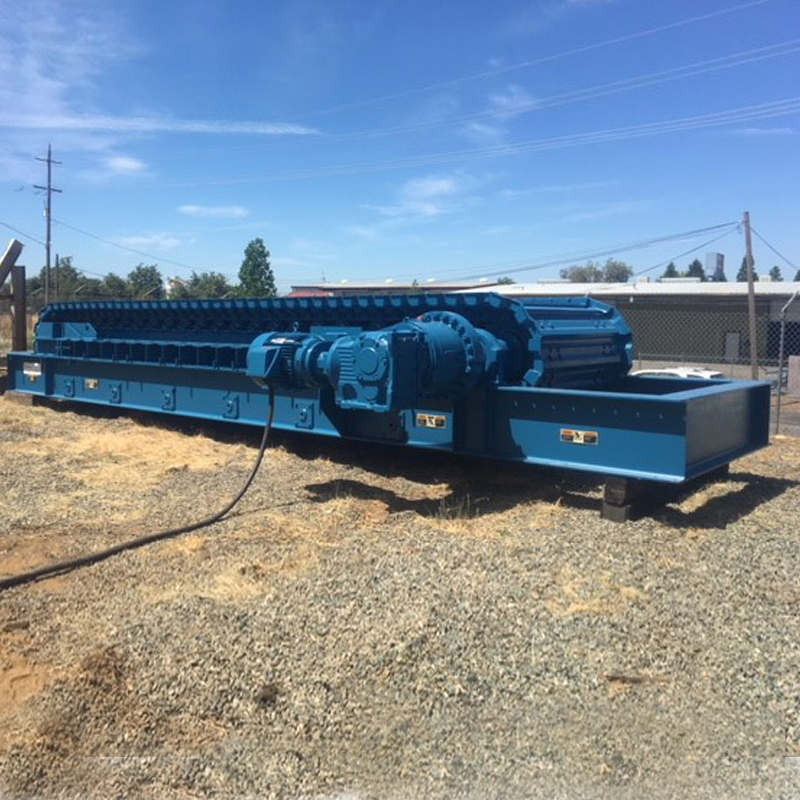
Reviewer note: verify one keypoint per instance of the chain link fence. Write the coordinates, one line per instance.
(716, 336)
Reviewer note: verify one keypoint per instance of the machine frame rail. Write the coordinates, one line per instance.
(543, 382)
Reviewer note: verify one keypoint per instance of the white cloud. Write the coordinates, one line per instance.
(114, 166)
(125, 165)
(418, 200)
(556, 188)
(511, 101)
(426, 197)
(434, 186)
(604, 211)
(54, 56)
(53, 53)
(484, 133)
(119, 124)
(368, 232)
(786, 131)
(217, 212)
(157, 241)
(533, 18)
(489, 126)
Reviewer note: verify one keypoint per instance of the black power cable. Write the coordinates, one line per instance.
(61, 567)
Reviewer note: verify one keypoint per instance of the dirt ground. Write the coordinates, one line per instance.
(377, 623)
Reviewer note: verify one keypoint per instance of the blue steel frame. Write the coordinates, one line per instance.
(657, 429)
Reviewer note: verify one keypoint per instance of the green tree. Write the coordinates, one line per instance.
(616, 271)
(209, 285)
(611, 272)
(741, 275)
(89, 289)
(65, 281)
(588, 273)
(797, 276)
(505, 281)
(114, 287)
(255, 275)
(696, 270)
(201, 286)
(145, 283)
(775, 273)
(671, 271)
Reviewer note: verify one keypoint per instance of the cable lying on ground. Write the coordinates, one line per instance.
(61, 567)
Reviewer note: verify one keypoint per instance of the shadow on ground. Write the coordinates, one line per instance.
(723, 510)
(477, 486)
(472, 500)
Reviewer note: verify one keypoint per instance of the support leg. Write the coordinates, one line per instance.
(627, 499)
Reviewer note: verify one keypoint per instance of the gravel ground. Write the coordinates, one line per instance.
(375, 624)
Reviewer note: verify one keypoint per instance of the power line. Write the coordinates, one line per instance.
(606, 252)
(687, 252)
(506, 267)
(731, 229)
(774, 250)
(124, 247)
(541, 59)
(22, 233)
(121, 247)
(759, 111)
(601, 90)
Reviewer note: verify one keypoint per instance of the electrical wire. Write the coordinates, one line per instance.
(691, 70)
(758, 111)
(607, 252)
(59, 568)
(22, 233)
(601, 90)
(525, 265)
(571, 257)
(730, 228)
(774, 250)
(539, 60)
(122, 246)
(617, 284)
(687, 253)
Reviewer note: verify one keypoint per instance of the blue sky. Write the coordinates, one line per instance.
(373, 140)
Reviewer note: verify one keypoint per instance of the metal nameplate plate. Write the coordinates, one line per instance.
(572, 436)
(32, 369)
(438, 421)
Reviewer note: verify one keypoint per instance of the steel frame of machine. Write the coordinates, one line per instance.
(479, 374)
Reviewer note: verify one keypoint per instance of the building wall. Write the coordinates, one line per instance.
(688, 328)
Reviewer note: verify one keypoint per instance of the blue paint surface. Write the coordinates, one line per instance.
(543, 383)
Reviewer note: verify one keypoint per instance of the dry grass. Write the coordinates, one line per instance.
(16, 418)
(108, 458)
(594, 593)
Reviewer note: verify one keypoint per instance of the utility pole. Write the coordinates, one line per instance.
(48, 215)
(751, 297)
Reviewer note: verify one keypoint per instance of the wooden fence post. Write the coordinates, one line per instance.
(19, 333)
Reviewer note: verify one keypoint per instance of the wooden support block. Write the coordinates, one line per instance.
(621, 491)
(628, 499)
(22, 399)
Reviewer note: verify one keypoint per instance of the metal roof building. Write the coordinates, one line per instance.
(348, 289)
(676, 288)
